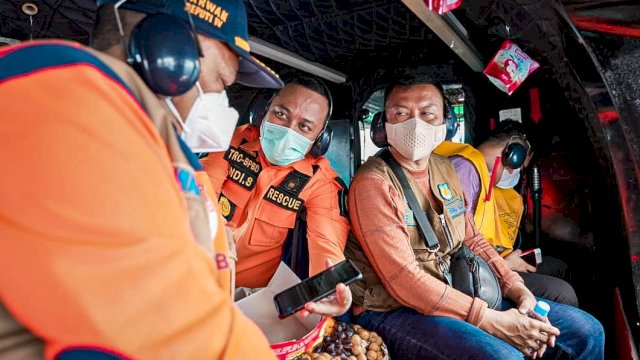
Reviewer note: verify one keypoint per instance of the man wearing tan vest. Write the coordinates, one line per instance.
(403, 295)
(498, 214)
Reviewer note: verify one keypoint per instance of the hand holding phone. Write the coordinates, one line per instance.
(315, 288)
(533, 256)
(333, 305)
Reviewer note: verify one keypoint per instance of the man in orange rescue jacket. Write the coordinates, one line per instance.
(275, 170)
(105, 229)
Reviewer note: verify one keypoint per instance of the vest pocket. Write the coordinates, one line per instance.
(271, 225)
(378, 299)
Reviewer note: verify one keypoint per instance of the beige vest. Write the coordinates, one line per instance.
(448, 192)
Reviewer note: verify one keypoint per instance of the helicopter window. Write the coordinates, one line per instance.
(374, 105)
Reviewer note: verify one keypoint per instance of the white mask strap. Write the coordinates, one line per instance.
(174, 111)
(199, 88)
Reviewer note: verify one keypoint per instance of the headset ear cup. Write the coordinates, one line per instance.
(514, 155)
(377, 131)
(330, 99)
(323, 142)
(259, 106)
(163, 51)
(321, 145)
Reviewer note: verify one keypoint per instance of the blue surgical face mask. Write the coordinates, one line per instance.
(282, 146)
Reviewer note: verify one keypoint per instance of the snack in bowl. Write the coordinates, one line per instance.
(343, 341)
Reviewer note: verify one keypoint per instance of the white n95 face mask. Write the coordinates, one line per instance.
(509, 180)
(415, 139)
(210, 123)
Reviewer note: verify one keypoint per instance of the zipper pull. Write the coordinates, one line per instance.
(442, 220)
(445, 229)
(445, 269)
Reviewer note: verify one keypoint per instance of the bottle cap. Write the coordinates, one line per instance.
(542, 308)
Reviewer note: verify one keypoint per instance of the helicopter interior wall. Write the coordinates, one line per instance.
(616, 101)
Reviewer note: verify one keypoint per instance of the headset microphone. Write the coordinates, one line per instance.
(536, 196)
(535, 179)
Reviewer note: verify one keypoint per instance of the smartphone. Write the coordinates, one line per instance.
(532, 256)
(315, 288)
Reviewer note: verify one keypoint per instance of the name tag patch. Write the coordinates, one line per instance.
(242, 178)
(244, 167)
(409, 218)
(282, 199)
(455, 208)
(242, 159)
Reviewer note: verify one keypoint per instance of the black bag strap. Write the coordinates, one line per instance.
(428, 235)
(300, 246)
(295, 250)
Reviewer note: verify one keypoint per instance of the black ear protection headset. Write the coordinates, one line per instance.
(379, 133)
(259, 108)
(165, 52)
(515, 153)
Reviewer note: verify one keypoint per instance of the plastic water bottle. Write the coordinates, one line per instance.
(540, 311)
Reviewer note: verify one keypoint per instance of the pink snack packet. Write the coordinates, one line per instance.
(509, 67)
(442, 6)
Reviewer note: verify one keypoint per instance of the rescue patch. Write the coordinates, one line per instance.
(445, 192)
(227, 207)
(294, 182)
(242, 178)
(280, 198)
(455, 208)
(243, 160)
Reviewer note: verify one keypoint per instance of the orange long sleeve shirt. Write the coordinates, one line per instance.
(377, 217)
(96, 243)
(262, 226)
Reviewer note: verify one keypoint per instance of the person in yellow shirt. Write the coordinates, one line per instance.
(497, 208)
